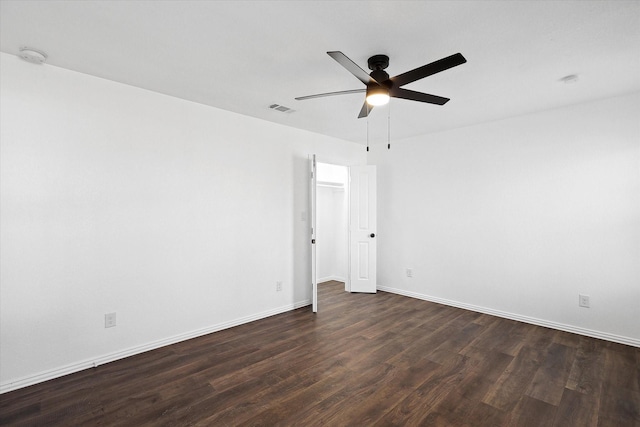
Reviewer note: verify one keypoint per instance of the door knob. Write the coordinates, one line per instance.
(372, 235)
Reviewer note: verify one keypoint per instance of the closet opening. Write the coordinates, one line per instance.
(332, 192)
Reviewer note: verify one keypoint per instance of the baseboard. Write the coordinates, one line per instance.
(112, 357)
(330, 278)
(526, 319)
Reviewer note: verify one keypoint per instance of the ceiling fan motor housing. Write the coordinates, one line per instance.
(378, 62)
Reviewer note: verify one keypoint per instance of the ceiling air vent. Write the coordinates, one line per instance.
(281, 108)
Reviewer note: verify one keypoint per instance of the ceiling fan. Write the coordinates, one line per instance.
(380, 87)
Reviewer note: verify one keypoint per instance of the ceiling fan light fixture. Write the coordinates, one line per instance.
(377, 96)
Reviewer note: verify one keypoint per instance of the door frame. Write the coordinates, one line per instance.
(313, 189)
(313, 161)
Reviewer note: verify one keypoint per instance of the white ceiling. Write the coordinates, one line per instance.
(243, 56)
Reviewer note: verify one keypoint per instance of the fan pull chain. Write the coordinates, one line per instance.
(389, 127)
(367, 127)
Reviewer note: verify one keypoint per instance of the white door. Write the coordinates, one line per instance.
(312, 238)
(362, 228)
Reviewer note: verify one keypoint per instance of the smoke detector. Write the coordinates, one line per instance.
(34, 56)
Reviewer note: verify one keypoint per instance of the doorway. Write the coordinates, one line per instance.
(332, 193)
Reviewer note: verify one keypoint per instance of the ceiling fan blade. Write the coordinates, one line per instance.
(321, 95)
(412, 95)
(351, 67)
(365, 110)
(428, 70)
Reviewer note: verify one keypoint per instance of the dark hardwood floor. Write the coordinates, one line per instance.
(363, 360)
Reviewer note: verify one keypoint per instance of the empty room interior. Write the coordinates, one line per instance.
(342, 213)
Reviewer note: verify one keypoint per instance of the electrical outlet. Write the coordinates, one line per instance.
(409, 272)
(109, 320)
(583, 301)
(278, 286)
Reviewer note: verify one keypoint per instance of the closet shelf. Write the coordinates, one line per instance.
(330, 184)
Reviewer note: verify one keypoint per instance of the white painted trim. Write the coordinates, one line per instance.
(526, 319)
(111, 357)
(330, 278)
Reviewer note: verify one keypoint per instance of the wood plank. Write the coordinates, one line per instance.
(550, 378)
(566, 338)
(396, 387)
(620, 404)
(577, 409)
(487, 415)
(453, 410)
(620, 362)
(503, 335)
(509, 388)
(586, 373)
(418, 404)
(488, 363)
(532, 412)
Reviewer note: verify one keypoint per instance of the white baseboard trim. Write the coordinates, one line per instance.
(330, 278)
(526, 319)
(132, 351)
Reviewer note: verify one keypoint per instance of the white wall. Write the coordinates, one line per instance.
(177, 216)
(517, 217)
(326, 235)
